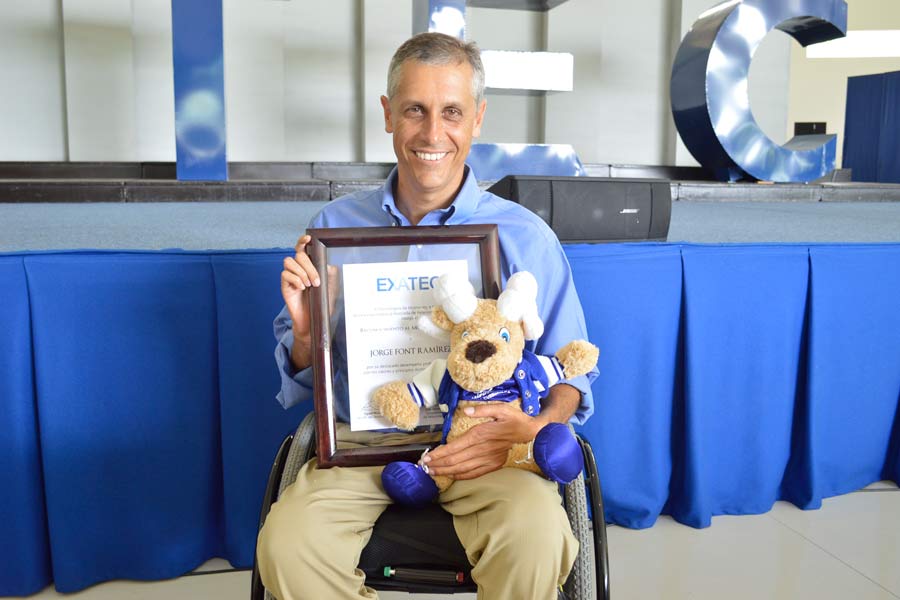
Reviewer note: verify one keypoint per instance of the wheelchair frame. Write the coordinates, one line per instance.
(588, 572)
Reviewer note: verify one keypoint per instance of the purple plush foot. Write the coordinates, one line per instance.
(557, 453)
(409, 485)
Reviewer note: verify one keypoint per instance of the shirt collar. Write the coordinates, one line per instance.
(459, 211)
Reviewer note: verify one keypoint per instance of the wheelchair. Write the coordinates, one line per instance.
(417, 551)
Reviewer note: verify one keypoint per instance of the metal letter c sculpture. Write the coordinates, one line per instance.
(710, 91)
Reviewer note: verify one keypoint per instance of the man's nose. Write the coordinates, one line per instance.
(434, 127)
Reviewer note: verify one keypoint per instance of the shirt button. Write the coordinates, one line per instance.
(530, 410)
(528, 393)
(520, 374)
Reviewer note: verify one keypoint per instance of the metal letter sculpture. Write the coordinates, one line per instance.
(710, 91)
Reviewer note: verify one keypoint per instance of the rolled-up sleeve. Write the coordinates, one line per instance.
(296, 385)
(563, 317)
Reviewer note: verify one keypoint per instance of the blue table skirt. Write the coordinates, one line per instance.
(137, 394)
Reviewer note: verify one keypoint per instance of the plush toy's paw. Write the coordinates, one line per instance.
(408, 484)
(396, 404)
(577, 358)
(557, 453)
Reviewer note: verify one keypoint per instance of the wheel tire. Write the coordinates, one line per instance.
(581, 584)
(300, 452)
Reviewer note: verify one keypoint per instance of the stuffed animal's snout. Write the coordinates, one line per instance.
(479, 351)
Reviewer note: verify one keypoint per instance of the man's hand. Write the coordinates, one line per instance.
(298, 276)
(484, 448)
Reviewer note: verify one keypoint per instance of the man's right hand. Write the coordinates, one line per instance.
(298, 276)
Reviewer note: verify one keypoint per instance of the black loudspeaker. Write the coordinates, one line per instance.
(594, 209)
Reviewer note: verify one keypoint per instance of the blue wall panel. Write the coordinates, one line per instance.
(199, 67)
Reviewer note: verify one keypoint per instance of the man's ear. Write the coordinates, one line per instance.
(386, 106)
(479, 118)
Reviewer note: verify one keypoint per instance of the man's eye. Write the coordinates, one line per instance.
(453, 113)
(414, 110)
(504, 334)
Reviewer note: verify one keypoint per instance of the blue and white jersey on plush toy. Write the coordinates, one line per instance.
(531, 381)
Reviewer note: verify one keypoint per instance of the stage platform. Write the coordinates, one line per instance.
(58, 206)
(307, 181)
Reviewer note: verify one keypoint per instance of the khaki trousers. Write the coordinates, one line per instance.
(511, 522)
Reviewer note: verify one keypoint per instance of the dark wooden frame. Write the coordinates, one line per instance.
(485, 236)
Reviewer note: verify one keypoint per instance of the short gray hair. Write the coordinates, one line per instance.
(438, 49)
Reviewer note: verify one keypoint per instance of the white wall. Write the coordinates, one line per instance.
(32, 105)
(510, 117)
(303, 78)
(618, 111)
(154, 92)
(100, 80)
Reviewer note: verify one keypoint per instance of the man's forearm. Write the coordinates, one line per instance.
(560, 404)
(301, 352)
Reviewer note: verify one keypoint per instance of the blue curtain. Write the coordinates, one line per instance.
(253, 423)
(853, 371)
(140, 422)
(872, 128)
(126, 373)
(24, 553)
(889, 142)
(632, 303)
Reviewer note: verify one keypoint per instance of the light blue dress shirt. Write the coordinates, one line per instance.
(526, 244)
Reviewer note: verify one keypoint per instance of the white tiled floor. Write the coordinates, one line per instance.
(850, 549)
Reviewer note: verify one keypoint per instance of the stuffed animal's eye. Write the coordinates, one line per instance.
(465, 334)
(504, 333)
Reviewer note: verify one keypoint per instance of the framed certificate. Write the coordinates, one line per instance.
(377, 282)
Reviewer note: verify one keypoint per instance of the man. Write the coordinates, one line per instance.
(511, 522)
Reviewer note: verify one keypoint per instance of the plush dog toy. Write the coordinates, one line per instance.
(487, 364)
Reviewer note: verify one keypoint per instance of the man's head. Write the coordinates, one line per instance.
(434, 108)
(438, 49)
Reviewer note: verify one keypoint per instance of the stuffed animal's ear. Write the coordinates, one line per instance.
(437, 325)
(455, 294)
(518, 302)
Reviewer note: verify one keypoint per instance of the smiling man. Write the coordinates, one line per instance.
(433, 113)
(511, 522)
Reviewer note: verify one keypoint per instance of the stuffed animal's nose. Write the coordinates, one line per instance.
(480, 351)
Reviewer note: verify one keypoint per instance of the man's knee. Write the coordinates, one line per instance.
(288, 528)
(276, 542)
(528, 514)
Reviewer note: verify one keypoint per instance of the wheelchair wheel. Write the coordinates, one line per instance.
(581, 582)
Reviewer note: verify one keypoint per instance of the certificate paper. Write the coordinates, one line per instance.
(382, 305)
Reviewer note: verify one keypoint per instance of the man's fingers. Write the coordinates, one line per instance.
(477, 472)
(300, 246)
(471, 467)
(478, 452)
(294, 280)
(487, 411)
(303, 268)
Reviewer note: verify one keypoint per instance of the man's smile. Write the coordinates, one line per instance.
(431, 156)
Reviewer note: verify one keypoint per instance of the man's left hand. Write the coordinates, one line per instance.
(484, 447)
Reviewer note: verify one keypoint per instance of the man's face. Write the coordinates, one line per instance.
(433, 118)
